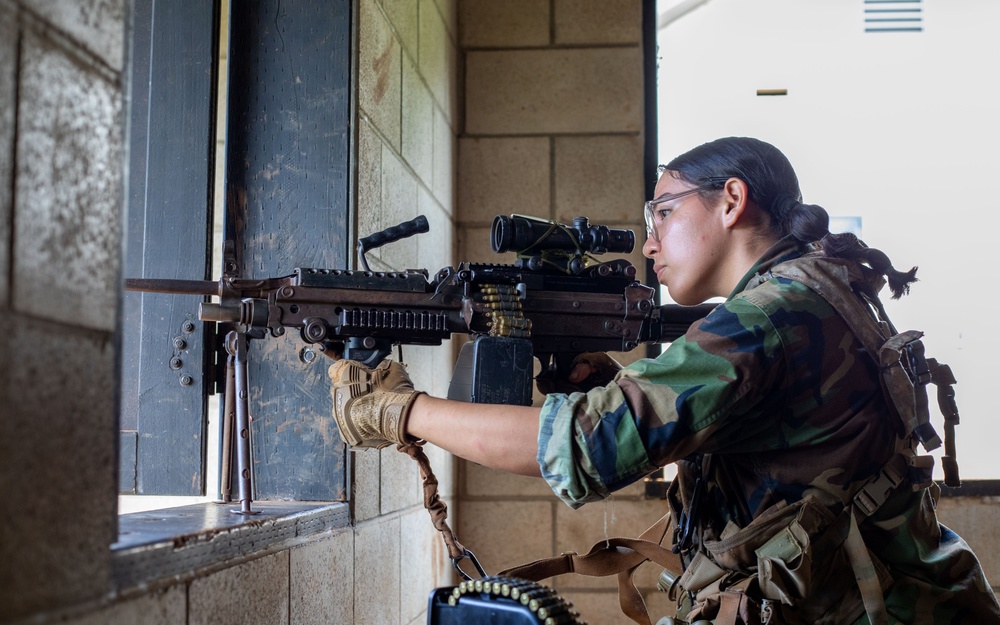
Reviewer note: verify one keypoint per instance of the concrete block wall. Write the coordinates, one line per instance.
(60, 242)
(61, 176)
(407, 128)
(554, 124)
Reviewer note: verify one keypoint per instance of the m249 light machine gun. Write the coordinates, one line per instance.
(556, 301)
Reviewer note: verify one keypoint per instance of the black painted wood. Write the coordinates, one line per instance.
(171, 129)
(287, 188)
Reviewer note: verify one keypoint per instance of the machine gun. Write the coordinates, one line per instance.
(554, 302)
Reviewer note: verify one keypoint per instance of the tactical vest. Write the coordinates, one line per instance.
(793, 564)
(803, 563)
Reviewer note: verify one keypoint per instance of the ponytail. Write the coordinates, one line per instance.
(774, 187)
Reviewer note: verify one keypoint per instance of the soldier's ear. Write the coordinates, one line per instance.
(735, 198)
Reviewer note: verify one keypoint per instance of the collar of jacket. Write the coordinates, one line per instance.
(785, 249)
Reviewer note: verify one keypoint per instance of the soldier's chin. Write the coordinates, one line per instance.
(684, 299)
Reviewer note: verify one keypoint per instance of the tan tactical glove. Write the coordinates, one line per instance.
(589, 370)
(371, 406)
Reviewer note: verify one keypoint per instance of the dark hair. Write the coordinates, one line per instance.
(774, 187)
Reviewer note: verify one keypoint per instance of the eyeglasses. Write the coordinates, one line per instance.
(653, 218)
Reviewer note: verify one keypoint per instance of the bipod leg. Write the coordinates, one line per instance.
(228, 421)
(236, 345)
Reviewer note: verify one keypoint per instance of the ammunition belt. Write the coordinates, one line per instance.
(505, 600)
(506, 316)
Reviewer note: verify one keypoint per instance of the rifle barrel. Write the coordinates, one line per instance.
(181, 287)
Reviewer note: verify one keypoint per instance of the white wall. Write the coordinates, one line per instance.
(900, 129)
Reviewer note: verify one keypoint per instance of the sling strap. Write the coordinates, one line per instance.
(438, 510)
(612, 556)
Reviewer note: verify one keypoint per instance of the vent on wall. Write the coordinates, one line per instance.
(894, 16)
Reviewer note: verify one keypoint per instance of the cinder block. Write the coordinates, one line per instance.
(67, 212)
(598, 21)
(379, 71)
(160, 607)
(377, 571)
(418, 124)
(321, 591)
(252, 593)
(444, 466)
(599, 177)
(506, 533)
(578, 530)
(448, 9)
(399, 204)
(8, 74)
(503, 176)
(438, 59)
(402, 15)
(94, 24)
(603, 607)
(445, 149)
(367, 487)
(479, 481)
(504, 23)
(436, 247)
(57, 559)
(475, 247)
(369, 190)
(563, 90)
(977, 521)
(430, 367)
(424, 563)
(400, 484)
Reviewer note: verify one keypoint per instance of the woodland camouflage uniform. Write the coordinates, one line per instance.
(783, 398)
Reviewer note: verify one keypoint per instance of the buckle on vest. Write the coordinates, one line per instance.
(920, 472)
(872, 495)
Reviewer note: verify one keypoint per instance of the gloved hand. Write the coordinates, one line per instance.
(371, 406)
(589, 370)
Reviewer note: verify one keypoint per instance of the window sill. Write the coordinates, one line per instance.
(182, 543)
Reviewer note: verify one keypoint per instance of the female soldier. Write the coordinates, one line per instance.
(773, 407)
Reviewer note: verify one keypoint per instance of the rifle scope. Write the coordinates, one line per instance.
(521, 234)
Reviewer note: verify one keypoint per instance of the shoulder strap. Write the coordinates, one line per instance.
(900, 357)
(613, 556)
(905, 374)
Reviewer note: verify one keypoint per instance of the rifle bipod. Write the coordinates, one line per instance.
(237, 412)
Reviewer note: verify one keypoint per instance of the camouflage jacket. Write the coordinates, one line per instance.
(775, 386)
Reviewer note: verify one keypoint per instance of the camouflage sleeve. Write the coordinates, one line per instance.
(659, 410)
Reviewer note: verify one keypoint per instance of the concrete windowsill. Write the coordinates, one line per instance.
(185, 542)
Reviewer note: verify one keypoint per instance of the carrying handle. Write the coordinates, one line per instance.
(389, 235)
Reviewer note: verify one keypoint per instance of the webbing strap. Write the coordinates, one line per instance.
(943, 378)
(823, 279)
(865, 575)
(613, 556)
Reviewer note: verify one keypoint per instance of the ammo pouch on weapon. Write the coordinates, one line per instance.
(790, 555)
